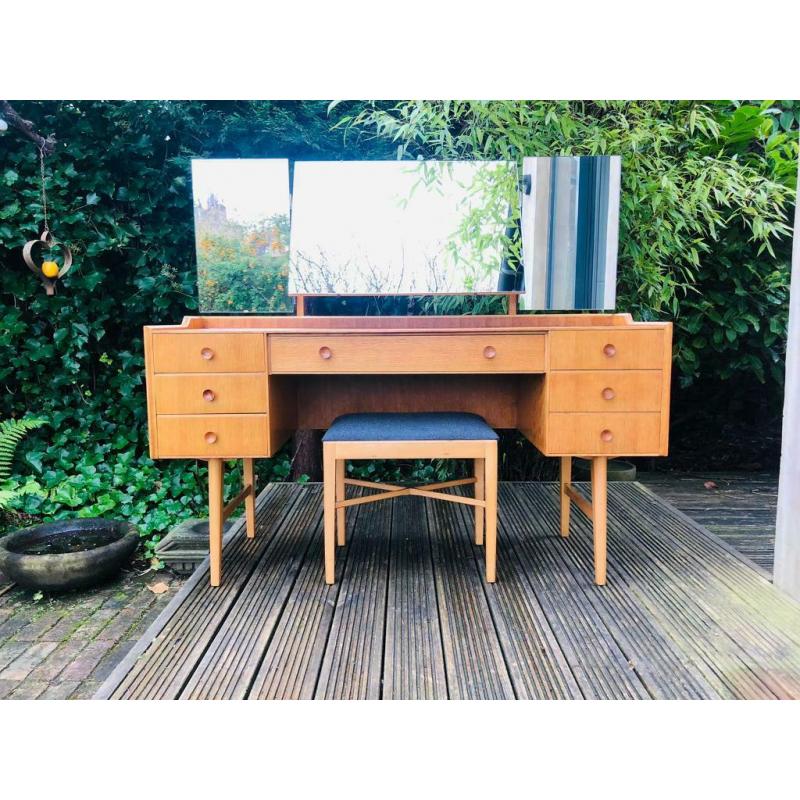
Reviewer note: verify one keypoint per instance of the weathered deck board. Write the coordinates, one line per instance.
(682, 616)
(353, 663)
(740, 509)
(476, 668)
(413, 666)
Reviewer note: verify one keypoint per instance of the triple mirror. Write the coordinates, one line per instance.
(548, 231)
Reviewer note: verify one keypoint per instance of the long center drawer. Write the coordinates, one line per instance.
(354, 354)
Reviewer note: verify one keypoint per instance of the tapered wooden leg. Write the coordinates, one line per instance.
(480, 494)
(250, 501)
(341, 522)
(599, 506)
(329, 506)
(566, 479)
(490, 479)
(215, 476)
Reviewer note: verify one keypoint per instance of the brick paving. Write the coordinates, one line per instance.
(65, 645)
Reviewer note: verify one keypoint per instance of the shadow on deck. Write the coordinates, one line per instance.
(683, 615)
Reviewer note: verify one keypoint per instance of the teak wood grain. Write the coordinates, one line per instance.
(605, 390)
(354, 354)
(612, 349)
(621, 433)
(592, 385)
(234, 436)
(201, 351)
(215, 393)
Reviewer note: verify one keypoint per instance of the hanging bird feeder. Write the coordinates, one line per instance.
(43, 255)
(46, 256)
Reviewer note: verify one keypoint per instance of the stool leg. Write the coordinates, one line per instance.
(566, 479)
(599, 506)
(480, 494)
(216, 469)
(341, 523)
(329, 506)
(491, 511)
(250, 502)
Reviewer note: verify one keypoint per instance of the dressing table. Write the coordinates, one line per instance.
(590, 385)
(575, 384)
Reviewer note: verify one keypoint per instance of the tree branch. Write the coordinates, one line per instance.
(27, 129)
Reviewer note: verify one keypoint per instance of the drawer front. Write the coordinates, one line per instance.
(216, 393)
(208, 352)
(627, 434)
(607, 349)
(605, 390)
(213, 436)
(407, 353)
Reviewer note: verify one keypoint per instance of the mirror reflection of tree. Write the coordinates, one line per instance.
(241, 268)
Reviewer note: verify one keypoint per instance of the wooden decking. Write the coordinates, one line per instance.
(739, 507)
(682, 616)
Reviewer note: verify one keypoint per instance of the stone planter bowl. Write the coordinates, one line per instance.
(71, 554)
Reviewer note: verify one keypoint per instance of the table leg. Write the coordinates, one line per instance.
(490, 468)
(566, 479)
(215, 488)
(250, 501)
(341, 522)
(599, 508)
(329, 505)
(480, 494)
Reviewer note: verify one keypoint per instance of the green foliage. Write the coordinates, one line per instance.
(119, 194)
(704, 218)
(235, 276)
(12, 432)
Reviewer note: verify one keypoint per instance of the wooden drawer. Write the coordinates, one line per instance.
(219, 393)
(607, 349)
(407, 353)
(212, 436)
(627, 434)
(208, 352)
(605, 390)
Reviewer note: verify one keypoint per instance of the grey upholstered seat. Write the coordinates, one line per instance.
(409, 427)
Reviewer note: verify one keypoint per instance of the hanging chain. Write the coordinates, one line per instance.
(44, 192)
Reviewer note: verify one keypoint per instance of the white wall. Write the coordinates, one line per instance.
(787, 534)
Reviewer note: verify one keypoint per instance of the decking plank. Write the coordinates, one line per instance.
(645, 647)
(475, 664)
(291, 666)
(698, 586)
(353, 663)
(162, 671)
(231, 660)
(683, 614)
(413, 664)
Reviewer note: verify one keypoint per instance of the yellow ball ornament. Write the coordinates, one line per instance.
(50, 269)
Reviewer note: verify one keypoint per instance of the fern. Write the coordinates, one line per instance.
(12, 431)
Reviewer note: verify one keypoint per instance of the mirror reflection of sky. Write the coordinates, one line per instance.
(377, 226)
(252, 190)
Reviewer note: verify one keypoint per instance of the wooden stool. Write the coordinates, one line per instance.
(430, 435)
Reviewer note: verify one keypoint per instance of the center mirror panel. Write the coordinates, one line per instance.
(403, 227)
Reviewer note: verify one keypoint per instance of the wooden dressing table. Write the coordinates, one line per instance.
(591, 385)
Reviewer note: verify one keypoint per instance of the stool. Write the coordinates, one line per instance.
(428, 435)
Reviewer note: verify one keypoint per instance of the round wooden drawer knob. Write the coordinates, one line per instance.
(325, 353)
(610, 350)
(606, 435)
(209, 396)
(207, 353)
(608, 393)
(489, 352)
(210, 437)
